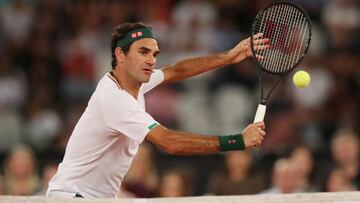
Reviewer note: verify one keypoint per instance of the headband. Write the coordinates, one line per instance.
(135, 35)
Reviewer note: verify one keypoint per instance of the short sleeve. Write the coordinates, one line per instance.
(123, 114)
(156, 78)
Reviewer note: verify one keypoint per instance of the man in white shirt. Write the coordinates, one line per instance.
(107, 136)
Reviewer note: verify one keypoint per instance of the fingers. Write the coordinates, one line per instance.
(257, 39)
(260, 125)
(261, 47)
(259, 139)
(242, 49)
(254, 134)
(246, 46)
(261, 132)
(258, 35)
(259, 57)
(261, 41)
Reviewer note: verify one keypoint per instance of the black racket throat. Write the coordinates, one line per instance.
(272, 81)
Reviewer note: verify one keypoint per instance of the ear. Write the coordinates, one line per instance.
(120, 56)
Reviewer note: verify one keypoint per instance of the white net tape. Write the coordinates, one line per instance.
(339, 197)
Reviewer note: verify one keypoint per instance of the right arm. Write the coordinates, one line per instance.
(194, 66)
(184, 143)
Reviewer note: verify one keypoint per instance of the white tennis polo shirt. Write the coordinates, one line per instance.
(104, 141)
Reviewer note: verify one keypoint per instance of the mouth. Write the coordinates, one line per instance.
(148, 70)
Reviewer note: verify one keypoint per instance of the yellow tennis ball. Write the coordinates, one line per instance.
(301, 79)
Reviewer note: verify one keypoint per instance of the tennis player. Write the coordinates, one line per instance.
(107, 136)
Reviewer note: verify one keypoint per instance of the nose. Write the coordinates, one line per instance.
(151, 60)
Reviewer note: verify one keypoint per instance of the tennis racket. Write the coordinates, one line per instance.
(288, 28)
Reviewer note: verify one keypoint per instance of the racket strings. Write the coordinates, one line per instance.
(288, 31)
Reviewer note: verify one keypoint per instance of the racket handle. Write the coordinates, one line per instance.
(260, 113)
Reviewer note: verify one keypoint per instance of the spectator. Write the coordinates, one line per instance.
(345, 153)
(339, 182)
(303, 160)
(284, 178)
(17, 20)
(342, 19)
(142, 179)
(177, 182)
(20, 176)
(239, 177)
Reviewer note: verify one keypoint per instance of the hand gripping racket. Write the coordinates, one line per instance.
(288, 28)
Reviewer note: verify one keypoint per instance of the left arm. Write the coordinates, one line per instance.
(186, 143)
(190, 67)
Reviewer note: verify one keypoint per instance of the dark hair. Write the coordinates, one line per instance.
(119, 33)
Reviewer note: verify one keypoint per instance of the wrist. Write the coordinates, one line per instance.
(231, 142)
(228, 57)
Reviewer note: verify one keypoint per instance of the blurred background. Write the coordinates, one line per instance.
(53, 52)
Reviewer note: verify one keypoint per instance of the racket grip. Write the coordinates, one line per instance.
(260, 113)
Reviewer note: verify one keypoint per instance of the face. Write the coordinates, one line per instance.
(140, 61)
(303, 160)
(285, 177)
(172, 186)
(345, 149)
(238, 161)
(21, 164)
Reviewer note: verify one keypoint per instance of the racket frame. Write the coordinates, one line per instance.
(252, 36)
(260, 112)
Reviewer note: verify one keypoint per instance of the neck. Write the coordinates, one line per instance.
(349, 163)
(351, 169)
(127, 83)
(237, 175)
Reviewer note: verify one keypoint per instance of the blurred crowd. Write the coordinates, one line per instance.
(53, 52)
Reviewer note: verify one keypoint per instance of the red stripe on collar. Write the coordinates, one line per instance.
(115, 81)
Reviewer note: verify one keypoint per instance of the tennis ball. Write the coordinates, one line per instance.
(301, 79)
